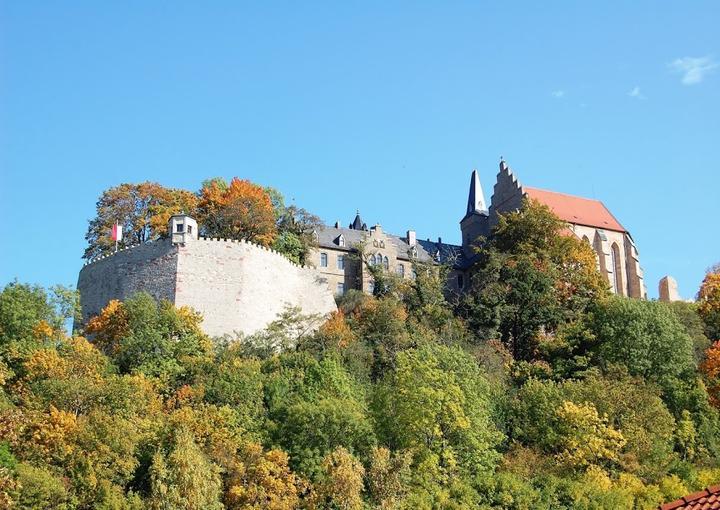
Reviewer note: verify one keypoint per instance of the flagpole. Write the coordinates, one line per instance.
(116, 236)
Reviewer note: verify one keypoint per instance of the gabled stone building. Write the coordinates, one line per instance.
(590, 220)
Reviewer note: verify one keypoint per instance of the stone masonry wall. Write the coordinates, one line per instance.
(237, 286)
(148, 267)
(242, 287)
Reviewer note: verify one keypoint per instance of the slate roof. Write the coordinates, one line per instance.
(577, 210)
(707, 499)
(427, 251)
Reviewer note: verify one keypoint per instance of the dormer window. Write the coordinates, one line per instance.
(341, 241)
(382, 244)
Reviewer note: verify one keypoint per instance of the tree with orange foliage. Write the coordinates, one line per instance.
(711, 368)
(709, 302)
(109, 327)
(239, 210)
(142, 210)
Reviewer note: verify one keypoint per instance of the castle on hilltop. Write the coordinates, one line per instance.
(590, 220)
(242, 287)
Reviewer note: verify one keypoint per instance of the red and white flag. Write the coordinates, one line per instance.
(117, 232)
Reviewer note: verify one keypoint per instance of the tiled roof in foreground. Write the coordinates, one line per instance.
(577, 210)
(707, 499)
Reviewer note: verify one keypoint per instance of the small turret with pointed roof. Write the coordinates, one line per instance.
(358, 223)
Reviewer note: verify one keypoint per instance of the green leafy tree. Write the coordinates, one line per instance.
(437, 403)
(154, 339)
(529, 280)
(644, 336)
(184, 479)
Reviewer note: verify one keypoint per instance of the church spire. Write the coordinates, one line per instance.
(476, 199)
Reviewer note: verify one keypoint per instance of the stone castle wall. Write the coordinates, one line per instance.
(237, 286)
(242, 287)
(148, 267)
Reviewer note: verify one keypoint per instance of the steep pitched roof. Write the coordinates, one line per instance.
(708, 499)
(577, 210)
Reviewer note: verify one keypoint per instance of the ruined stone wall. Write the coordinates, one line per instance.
(242, 287)
(148, 267)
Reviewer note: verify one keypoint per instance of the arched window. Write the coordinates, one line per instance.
(386, 263)
(323, 260)
(400, 269)
(371, 287)
(615, 264)
(371, 260)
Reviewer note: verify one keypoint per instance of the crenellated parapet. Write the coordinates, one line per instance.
(237, 285)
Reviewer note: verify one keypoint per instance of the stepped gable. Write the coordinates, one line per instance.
(707, 499)
(576, 210)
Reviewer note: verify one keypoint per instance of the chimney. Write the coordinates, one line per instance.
(411, 239)
(439, 240)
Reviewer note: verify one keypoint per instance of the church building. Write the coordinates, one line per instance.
(617, 257)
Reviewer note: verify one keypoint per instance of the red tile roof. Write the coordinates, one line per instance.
(708, 499)
(577, 210)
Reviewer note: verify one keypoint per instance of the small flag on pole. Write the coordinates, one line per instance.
(117, 232)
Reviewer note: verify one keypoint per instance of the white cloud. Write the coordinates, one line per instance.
(693, 69)
(558, 93)
(635, 92)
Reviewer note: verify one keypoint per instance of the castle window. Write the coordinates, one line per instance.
(400, 269)
(341, 262)
(323, 260)
(616, 268)
(382, 244)
(179, 227)
(340, 289)
(386, 263)
(371, 260)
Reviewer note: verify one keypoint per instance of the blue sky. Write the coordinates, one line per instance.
(381, 106)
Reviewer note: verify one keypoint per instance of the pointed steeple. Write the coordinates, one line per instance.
(476, 199)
